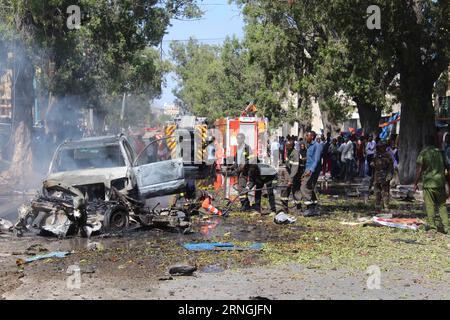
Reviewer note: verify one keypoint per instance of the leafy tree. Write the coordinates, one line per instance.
(413, 42)
(301, 51)
(139, 91)
(81, 67)
(200, 74)
(292, 40)
(280, 42)
(217, 81)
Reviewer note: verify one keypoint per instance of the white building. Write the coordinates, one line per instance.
(172, 110)
(316, 116)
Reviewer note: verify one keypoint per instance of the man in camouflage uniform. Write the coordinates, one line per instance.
(291, 176)
(431, 168)
(383, 167)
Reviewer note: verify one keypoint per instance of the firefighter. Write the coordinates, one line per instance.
(241, 163)
(211, 158)
(255, 179)
(250, 109)
(291, 177)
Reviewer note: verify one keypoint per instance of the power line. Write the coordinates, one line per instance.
(199, 39)
(195, 39)
(212, 4)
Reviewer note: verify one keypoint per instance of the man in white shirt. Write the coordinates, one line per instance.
(349, 158)
(275, 152)
(370, 151)
(346, 150)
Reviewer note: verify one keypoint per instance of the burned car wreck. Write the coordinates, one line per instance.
(99, 185)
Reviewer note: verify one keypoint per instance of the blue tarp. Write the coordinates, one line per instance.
(220, 246)
(384, 135)
(56, 254)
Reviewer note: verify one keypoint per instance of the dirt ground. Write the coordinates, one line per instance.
(315, 258)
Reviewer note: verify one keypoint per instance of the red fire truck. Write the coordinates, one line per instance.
(256, 131)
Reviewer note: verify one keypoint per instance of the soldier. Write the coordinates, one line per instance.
(431, 168)
(383, 170)
(291, 176)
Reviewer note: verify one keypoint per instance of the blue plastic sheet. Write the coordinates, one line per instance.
(55, 254)
(387, 129)
(220, 246)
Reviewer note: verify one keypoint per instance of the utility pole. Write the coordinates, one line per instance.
(122, 113)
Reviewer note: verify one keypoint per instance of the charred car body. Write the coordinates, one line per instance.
(99, 184)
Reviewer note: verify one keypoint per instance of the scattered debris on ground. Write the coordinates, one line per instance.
(5, 225)
(50, 255)
(404, 193)
(35, 249)
(182, 270)
(283, 218)
(360, 222)
(258, 298)
(221, 246)
(319, 244)
(401, 223)
(95, 246)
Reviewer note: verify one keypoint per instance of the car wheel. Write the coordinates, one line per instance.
(116, 219)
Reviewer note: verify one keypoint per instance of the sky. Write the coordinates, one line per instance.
(220, 20)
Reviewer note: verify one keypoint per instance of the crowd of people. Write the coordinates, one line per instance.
(349, 156)
(343, 158)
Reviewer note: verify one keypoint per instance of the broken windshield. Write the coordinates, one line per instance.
(89, 158)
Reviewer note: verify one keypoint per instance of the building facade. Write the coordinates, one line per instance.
(6, 95)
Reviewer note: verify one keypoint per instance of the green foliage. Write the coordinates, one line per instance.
(217, 81)
(108, 55)
(320, 48)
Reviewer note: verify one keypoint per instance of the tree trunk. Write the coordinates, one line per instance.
(369, 116)
(417, 121)
(20, 171)
(50, 105)
(99, 120)
(328, 124)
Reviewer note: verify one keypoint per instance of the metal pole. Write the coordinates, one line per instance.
(122, 113)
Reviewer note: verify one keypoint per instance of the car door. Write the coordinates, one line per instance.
(165, 176)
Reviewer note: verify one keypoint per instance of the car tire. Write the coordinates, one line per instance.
(116, 219)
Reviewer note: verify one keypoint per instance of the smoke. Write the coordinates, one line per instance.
(25, 99)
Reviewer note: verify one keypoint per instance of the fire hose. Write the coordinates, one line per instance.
(247, 191)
